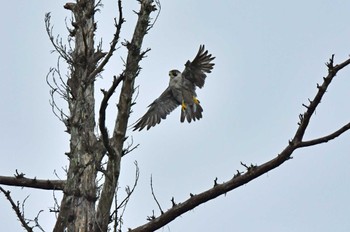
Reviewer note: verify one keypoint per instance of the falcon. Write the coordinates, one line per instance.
(180, 92)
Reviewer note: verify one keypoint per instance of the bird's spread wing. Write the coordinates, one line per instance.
(158, 110)
(195, 70)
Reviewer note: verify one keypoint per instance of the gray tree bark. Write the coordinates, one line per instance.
(78, 211)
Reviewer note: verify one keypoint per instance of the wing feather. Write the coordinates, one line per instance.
(195, 71)
(158, 110)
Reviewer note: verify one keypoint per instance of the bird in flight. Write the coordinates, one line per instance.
(181, 91)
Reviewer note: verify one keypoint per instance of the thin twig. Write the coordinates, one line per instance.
(159, 10)
(57, 44)
(56, 206)
(128, 190)
(155, 198)
(57, 88)
(36, 220)
(123, 204)
(129, 147)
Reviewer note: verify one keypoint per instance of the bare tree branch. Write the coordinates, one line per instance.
(15, 207)
(155, 198)
(122, 205)
(118, 26)
(32, 183)
(118, 138)
(129, 191)
(254, 171)
(102, 113)
(58, 88)
(159, 7)
(61, 88)
(56, 207)
(305, 118)
(326, 138)
(57, 43)
(36, 221)
(129, 148)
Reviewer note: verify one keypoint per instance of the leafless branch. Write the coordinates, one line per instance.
(121, 122)
(159, 6)
(36, 221)
(305, 118)
(56, 207)
(57, 43)
(23, 202)
(326, 138)
(57, 88)
(118, 219)
(98, 4)
(152, 217)
(254, 171)
(54, 171)
(129, 147)
(102, 113)
(118, 26)
(155, 198)
(129, 191)
(21, 181)
(15, 207)
(61, 88)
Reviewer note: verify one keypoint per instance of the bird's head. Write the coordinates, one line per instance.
(173, 73)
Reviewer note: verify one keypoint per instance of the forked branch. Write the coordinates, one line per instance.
(102, 113)
(56, 42)
(305, 118)
(119, 131)
(17, 210)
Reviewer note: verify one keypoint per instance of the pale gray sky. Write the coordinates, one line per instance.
(270, 55)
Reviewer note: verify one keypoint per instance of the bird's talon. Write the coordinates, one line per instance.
(196, 101)
(183, 106)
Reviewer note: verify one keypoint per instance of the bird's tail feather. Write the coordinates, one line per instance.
(191, 112)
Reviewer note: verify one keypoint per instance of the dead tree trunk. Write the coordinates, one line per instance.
(79, 210)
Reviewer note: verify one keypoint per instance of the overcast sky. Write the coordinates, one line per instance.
(269, 57)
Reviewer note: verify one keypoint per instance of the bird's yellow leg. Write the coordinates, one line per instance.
(183, 105)
(195, 100)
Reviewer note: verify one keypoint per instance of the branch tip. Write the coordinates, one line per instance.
(173, 202)
(215, 181)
